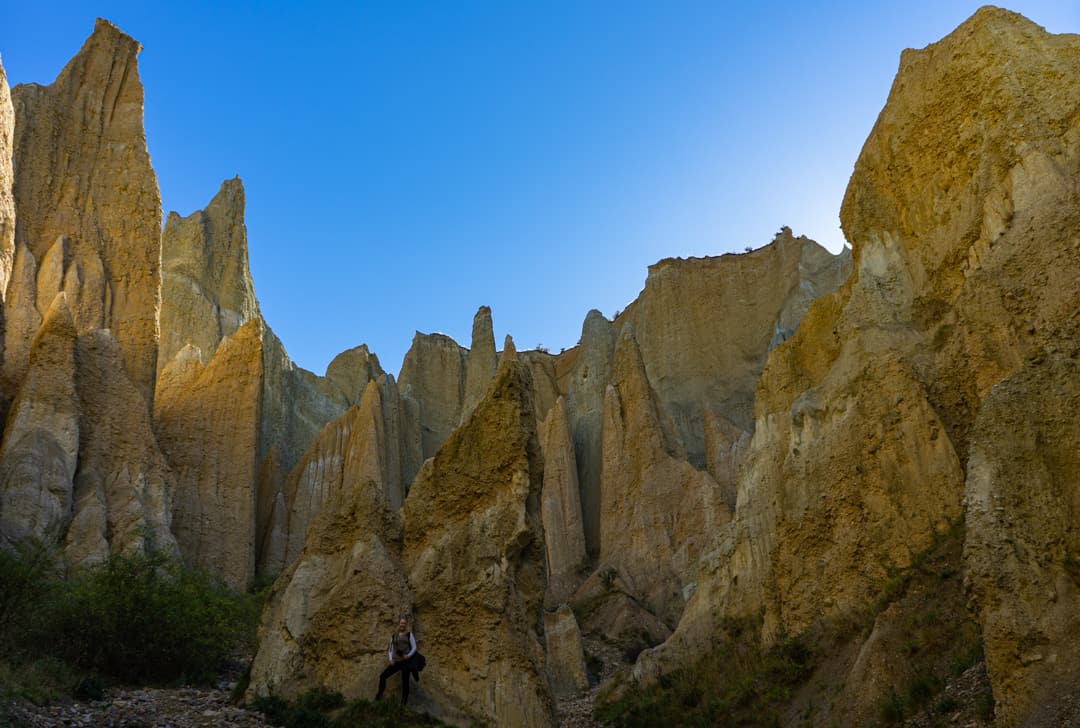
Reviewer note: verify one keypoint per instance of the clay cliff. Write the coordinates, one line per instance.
(873, 422)
(465, 558)
(84, 177)
(777, 438)
(79, 204)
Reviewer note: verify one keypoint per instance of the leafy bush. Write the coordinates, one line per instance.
(145, 618)
(132, 619)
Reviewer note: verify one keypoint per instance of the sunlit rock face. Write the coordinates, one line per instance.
(79, 260)
(7, 196)
(83, 174)
(961, 212)
(206, 419)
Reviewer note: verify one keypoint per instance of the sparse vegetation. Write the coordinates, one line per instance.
(130, 620)
(739, 683)
(320, 708)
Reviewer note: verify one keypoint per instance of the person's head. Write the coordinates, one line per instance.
(403, 624)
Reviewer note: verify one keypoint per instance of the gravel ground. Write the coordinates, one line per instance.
(144, 708)
(576, 711)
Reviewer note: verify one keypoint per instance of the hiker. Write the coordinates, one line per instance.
(400, 654)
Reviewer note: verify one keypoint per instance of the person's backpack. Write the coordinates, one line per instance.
(418, 662)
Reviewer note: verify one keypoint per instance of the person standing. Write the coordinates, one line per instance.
(400, 654)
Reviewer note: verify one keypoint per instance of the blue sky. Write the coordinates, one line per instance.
(408, 162)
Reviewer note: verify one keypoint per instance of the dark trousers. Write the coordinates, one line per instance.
(405, 668)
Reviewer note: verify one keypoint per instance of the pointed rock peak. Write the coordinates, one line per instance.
(372, 396)
(509, 352)
(352, 369)
(106, 40)
(189, 352)
(482, 313)
(59, 313)
(595, 325)
(991, 16)
(483, 335)
(229, 196)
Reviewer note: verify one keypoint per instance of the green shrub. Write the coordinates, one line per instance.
(736, 683)
(321, 708)
(132, 619)
(147, 619)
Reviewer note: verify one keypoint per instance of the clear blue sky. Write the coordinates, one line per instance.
(408, 162)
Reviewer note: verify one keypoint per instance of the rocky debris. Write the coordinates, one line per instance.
(165, 708)
(564, 536)
(207, 422)
(967, 702)
(84, 174)
(565, 657)
(700, 316)
(206, 288)
(576, 710)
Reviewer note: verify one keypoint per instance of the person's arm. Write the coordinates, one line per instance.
(390, 651)
(412, 646)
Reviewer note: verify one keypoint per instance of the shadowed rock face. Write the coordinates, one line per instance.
(331, 612)
(84, 174)
(656, 509)
(41, 440)
(123, 487)
(1022, 498)
(471, 569)
(474, 553)
(206, 288)
(481, 361)
(433, 374)
(359, 446)
(564, 535)
(961, 212)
